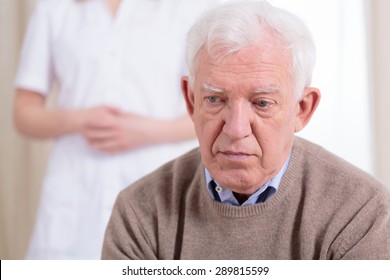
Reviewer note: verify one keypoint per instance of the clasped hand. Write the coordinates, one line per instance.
(110, 130)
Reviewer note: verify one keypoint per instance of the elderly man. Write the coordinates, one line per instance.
(252, 190)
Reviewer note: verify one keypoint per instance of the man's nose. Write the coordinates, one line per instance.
(238, 121)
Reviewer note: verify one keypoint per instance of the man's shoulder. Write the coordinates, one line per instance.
(326, 167)
(320, 157)
(315, 158)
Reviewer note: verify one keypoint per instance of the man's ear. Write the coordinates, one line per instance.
(188, 95)
(306, 107)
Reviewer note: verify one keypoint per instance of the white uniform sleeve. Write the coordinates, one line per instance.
(35, 70)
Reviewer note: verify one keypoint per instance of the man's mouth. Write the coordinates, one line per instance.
(236, 156)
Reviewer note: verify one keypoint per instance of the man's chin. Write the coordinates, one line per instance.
(235, 181)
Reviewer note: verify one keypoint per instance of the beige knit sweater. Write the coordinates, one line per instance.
(324, 209)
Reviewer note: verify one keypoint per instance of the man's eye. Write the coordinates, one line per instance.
(263, 103)
(213, 99)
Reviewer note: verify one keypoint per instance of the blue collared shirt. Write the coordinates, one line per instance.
(226, 196)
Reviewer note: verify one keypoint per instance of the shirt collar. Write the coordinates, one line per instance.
(226, 196)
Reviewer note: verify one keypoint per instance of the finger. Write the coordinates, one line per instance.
(99, 134)
(100, 125)
(103, 119)
(113, 110)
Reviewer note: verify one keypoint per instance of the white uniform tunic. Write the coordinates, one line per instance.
(133, 61)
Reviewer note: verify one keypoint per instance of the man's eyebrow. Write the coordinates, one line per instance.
(211, 88)
(265, 90)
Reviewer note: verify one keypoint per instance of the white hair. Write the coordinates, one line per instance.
(236, 25)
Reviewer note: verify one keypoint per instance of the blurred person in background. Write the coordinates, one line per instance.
(120, 110)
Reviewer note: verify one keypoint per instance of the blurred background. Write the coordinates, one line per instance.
(352, 121)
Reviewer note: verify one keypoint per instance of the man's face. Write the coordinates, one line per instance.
(245, 112)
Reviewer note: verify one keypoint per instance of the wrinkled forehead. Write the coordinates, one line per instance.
(255, 59)
(266, 52)
(244, 57)
(254, 67)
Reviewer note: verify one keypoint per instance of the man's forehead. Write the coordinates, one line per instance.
(252, 69)
(240, 61)
(260, 51)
